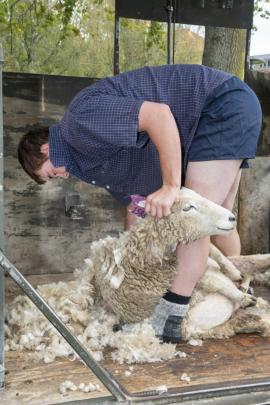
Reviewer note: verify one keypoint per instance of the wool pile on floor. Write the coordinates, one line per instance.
(27, 329)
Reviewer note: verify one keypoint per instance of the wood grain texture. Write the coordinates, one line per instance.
(254, 207)
(243, 357)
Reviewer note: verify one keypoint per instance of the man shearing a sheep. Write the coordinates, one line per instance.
(148, 132)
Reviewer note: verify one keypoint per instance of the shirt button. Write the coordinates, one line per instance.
(107, 187)
(93, 182)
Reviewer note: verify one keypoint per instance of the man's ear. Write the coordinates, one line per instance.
(45, 149)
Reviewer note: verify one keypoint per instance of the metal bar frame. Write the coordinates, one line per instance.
(2, 287)
(119, 393)
(170, 8)
(170, 40)
(200, 397)
(116, 58)
(170, 27)
(247, 52)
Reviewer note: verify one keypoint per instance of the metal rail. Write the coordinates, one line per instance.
(256, 393)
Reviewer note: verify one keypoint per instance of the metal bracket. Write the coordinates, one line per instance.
(74, 208)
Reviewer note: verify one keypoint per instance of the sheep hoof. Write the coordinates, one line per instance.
(248, 300)
(248, 290)
(117, 327)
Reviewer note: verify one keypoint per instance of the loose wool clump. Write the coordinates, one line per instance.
(95, 332)
(70, 386)
(185, 377)
(122, 280)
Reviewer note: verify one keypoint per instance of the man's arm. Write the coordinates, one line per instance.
(157, 120)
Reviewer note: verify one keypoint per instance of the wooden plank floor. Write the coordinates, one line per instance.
(244, 357)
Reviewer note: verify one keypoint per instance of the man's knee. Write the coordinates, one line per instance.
(216, 180)
(231, 197)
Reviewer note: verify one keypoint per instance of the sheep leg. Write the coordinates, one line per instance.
(245, 286)
(251, 264)
(226, 266)
(213, 281)
(248, 320)
(251, 320)
(223, 331)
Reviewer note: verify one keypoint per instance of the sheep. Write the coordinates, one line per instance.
(132, 272)
(138, 267)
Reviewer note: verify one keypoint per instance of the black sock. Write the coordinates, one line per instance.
(176, 298)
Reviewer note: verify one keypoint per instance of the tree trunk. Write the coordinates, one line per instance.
(224, 49)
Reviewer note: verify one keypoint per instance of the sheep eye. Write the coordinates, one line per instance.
(188, 207)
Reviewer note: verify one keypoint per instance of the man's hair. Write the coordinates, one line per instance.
(29, 154)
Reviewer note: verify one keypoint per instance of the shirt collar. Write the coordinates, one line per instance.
(58, 148)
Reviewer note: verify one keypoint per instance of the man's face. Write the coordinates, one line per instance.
(47, 170)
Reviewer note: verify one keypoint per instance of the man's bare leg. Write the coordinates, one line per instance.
(229, 245)
(205, 178)
(191, 265)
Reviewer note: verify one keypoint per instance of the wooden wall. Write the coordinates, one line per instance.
(254, 195)
(39, 237)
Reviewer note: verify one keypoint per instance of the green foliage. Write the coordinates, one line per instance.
(32, 29)
(155, 35)
(261, 7)
(76, 37)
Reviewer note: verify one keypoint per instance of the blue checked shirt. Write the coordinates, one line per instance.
(98, 141)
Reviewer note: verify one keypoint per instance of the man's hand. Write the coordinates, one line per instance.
(160, 202)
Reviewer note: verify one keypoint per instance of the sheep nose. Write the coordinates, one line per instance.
(232, 218)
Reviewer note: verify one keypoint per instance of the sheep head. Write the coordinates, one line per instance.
(194, 217)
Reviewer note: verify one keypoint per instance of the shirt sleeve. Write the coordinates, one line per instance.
(99, 121)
